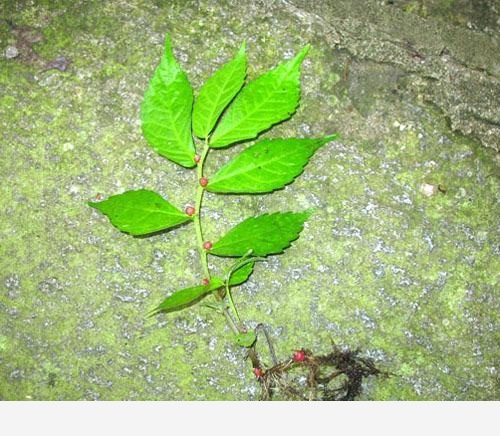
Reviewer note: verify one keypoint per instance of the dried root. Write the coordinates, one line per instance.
(336, 376)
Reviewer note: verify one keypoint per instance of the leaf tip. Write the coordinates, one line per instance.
(243, 48)
(302, 53)
(308, 213)
(153, 312)
(168, 53)
(332, 137)
(168, 44)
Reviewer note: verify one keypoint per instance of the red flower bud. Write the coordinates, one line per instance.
(258, 372)
(299, 356)
(203, 182)
(207, 245)
(190, 210)
(197, 158)
(205, 282)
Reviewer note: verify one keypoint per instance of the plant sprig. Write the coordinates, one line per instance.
(226, 112)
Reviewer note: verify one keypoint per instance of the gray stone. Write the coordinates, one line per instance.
(11, 52)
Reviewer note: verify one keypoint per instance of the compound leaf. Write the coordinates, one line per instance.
(140, 212)
(166, 111)
(267, 100)
(266, 166)
(265, 234)
(217, 92)
(186, 297)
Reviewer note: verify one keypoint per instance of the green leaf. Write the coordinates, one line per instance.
(186, 297)
(267, 100)
(266, 166)
(246, 339)
(166, 111)
(217, 92)
(265, 234)
(140, 212)
(241, 274)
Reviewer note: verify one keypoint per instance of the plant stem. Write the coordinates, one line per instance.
(235, 325)
(197, 217)
(199, 233)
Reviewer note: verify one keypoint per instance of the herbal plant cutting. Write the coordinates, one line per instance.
(185, 130)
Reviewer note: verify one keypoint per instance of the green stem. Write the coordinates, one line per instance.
(230, 321)
(199, 233)
(235, 326)
(231, 302)
(197, 217)
(238, 264)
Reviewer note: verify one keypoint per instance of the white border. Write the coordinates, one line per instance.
(249, 418)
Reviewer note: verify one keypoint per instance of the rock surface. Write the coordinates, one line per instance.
(400, 259)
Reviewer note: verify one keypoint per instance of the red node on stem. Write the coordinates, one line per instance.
(207, 245)
(205, 282)
(203, 182)
(190, 210)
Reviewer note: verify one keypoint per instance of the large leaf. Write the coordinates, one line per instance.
(186, 297)
(166, 111)
(267, 100)
(140, 212)
(268, 165)
(217, 92)
(265, 234)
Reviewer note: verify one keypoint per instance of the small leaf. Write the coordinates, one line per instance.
(267, 100)
(140, 212)
(246, 339)
(265, 234)
(266, 166)
(186, 297)
(217, 92)
(241, 274)
(166, 111)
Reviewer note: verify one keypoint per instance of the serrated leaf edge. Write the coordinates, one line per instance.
(308, 213)
(240, 52)
(292, 63)
(96, 205)
(314, 147)
(215, 283)
(168, 56)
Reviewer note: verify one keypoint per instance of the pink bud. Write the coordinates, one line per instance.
(299, 356)
(258, 372)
